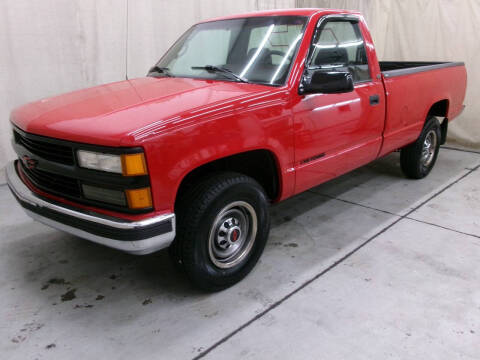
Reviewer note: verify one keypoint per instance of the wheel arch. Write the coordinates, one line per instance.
(260, 164)
(440, 109)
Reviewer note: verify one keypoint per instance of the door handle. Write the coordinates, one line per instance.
(374, 99)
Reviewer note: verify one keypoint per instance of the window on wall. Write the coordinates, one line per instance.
(340, 46)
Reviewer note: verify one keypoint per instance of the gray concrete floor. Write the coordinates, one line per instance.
(368, 266)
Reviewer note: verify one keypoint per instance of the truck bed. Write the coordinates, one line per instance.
(412, 88)
(398, 68)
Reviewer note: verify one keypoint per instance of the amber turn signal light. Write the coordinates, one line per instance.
(139, 198)
(134, 164)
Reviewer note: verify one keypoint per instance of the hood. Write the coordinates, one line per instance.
(112, 114)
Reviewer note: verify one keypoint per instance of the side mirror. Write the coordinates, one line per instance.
(326, 82)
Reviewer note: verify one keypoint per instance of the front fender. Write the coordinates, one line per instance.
(252, 126)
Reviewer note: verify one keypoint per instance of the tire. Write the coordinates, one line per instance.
(223, 225)
(418, 159)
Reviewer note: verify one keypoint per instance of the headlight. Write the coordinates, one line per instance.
(126, 164)
(100, 161)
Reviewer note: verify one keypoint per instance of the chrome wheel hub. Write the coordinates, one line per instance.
(428, 148)
(232, 234)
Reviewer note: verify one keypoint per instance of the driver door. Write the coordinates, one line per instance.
(335, 133)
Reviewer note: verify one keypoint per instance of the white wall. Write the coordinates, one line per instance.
(52, 46)
(49, 47)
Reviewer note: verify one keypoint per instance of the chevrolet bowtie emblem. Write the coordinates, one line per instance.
(29, 162)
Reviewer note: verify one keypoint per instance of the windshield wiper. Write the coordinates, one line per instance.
(162, 70)
(223, 70)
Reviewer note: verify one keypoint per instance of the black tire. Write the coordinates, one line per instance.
(415, 162)
(201, 244)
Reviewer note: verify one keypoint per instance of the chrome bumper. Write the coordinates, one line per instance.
(137, 237)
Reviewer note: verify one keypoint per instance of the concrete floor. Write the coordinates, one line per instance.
(368, 266)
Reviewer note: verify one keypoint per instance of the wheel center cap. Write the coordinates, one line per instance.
(234, 235)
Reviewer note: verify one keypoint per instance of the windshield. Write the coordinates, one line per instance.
(255, 49)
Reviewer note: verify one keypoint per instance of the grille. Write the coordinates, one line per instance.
(53, 183)
(48, 175)
(46, 149)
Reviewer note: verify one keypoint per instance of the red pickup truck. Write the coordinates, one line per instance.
(241, 112)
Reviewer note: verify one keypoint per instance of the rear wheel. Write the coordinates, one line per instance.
(418, 159)
(223, 225)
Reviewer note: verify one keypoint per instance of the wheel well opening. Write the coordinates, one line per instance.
(258, 164)
(440, 108)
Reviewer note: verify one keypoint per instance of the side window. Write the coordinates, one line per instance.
(340, 46)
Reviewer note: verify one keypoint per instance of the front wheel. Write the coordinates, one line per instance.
(418, 159)
(223, 225)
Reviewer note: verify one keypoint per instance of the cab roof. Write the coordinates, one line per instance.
(285, 12)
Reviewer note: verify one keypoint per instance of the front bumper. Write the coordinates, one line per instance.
(135, 237)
